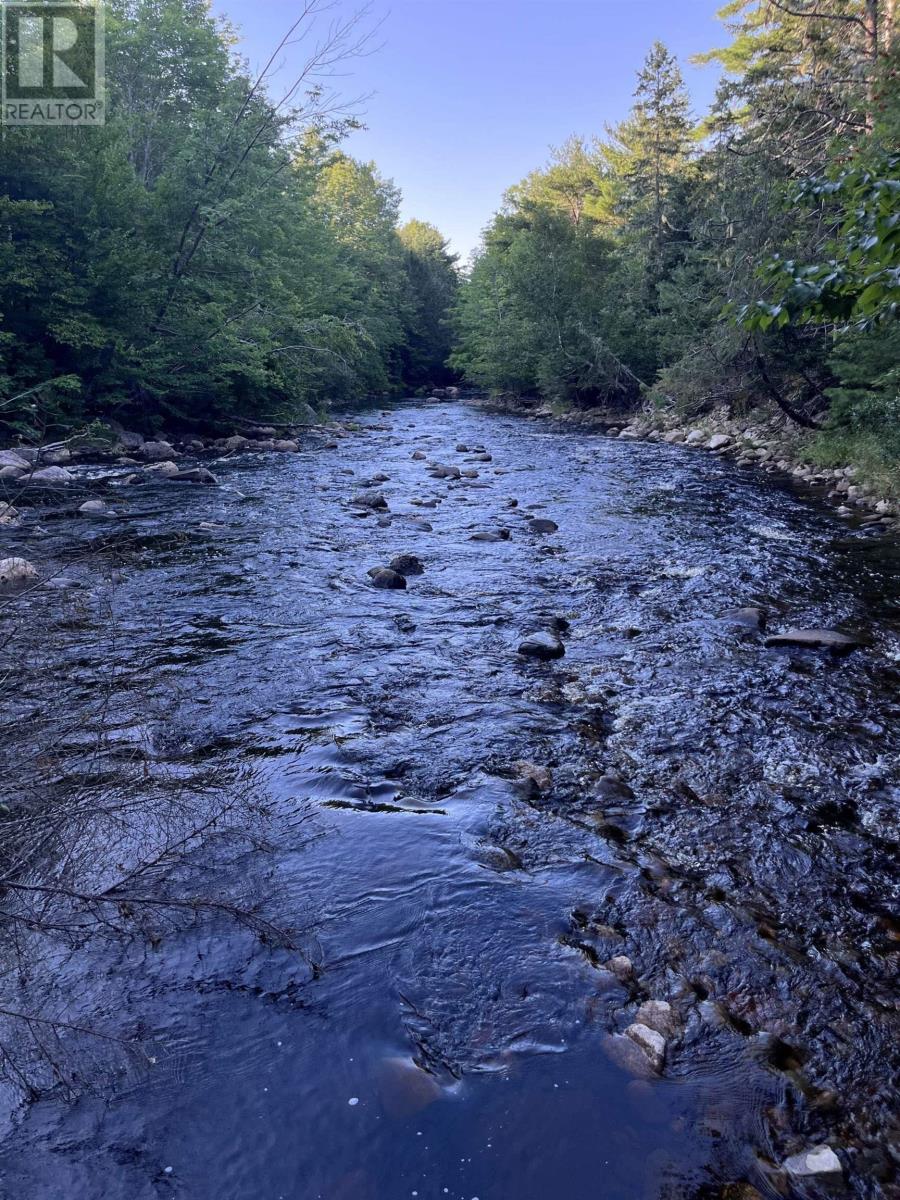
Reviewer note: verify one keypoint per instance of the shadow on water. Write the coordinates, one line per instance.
(448, 1022)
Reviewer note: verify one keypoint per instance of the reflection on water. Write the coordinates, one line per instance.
(444, 1021)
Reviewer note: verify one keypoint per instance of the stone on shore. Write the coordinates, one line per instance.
(542, 645)
(10, 458)
(8, 514)
(16, 573)
(718, 441)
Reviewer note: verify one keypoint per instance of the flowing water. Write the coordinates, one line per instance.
(442, 1021)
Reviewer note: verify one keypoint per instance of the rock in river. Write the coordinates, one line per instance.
(16, 573)
(542, 645)
(542, 525)
(52, 475)
(651, 1041)
(194, 475)
(746, 618)
(384, 577)
(821, 1160)
(407, 564)
(490, 535)
(369, 500)
(816, 639)
(157, 451)
(93, 507)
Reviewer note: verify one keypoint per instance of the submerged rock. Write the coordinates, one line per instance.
(542, 525)
(821, 1160)
(817, 639)
(16, 573)
(539, 777)
(93, 507)
(543, 645)
(746, 618)
(418, 455)
(384, 577)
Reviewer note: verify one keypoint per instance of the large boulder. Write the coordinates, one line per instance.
(11, 472)
(16, 573)
(157, 451)
(12, 458)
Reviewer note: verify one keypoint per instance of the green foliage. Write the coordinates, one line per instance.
(754, 257)
(858, 280)
(206, 254)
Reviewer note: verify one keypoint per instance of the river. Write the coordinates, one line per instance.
(440, 1019)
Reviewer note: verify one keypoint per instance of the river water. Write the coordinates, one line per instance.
(438, 1020)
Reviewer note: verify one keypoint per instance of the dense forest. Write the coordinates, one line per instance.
(210, 252)
(753, 255)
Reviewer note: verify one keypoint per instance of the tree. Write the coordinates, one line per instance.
(432, 283)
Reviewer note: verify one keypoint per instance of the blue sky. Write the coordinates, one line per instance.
(467, 96)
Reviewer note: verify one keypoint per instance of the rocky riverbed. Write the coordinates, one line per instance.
(568, 763)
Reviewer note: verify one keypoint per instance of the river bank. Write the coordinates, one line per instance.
(619, 907)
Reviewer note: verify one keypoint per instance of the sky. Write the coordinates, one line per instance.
(466, 97)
